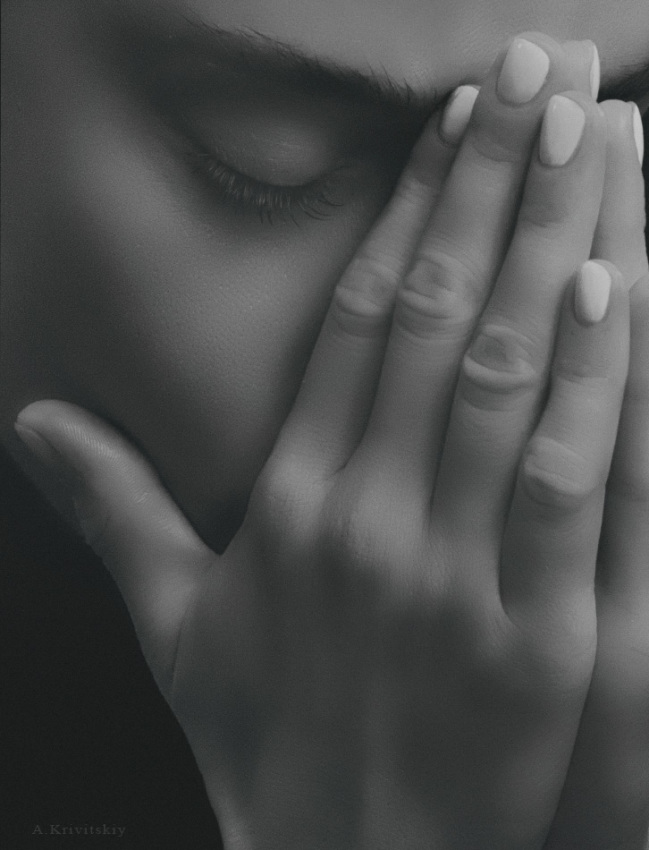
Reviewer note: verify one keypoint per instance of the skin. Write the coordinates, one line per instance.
(162, 593)
(193, 338)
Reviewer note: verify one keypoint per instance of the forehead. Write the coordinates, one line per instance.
(426, 43)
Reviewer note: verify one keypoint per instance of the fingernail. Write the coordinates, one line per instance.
(38, 446)
(458, 113)
(595, 73)
(638, 132)
(44, 452)
(561, 131)
(592, 293)
(523, 73)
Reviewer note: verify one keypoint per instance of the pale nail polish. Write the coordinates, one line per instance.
(458, 113)
(523, 73)
(595, 73)
(638, 132)
(592, 293)
(561, 131)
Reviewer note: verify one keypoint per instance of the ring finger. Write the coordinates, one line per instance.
(458, 259)
(504, 373)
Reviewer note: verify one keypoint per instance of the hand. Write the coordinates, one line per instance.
(605, 802)
(396, 647)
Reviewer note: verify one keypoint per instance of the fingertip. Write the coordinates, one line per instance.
(625, 131)
(541, 39)
(44, 452)
(618, 283)
(591, 107)
(616, 113)
(598, 288)
(637, 132)
(51, 429)
(457, 114)
(40, 415)
(584, 62)
(59, 422)
(592, 293)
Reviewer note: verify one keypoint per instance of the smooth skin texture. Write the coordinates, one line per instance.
(96, 190)
(161, 530)
(331, 547)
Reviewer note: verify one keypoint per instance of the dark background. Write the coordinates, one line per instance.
(86, 736)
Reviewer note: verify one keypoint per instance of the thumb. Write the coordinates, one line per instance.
(127, 517)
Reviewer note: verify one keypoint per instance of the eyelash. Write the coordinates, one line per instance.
(267, 200)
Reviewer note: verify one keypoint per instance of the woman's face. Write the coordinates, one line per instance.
(180, 199)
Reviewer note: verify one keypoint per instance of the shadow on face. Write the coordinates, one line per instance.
(180, 200)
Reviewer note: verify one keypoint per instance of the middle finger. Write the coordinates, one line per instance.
(459, 257)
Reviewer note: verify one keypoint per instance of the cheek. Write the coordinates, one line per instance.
(186, 326)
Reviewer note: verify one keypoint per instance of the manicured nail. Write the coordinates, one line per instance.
(638, 132)
(457, 113)
(595, 73)
(592, 293)
(561, 131)
(523, 73)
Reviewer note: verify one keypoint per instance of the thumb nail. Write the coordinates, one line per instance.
(45, 452)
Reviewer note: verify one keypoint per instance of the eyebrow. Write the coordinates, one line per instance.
(199, 41)
(202, 45)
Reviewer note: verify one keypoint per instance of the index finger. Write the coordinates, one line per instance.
(327, 418)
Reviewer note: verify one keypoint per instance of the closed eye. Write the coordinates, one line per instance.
(268, 201)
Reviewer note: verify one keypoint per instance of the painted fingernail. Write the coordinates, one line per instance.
(458, 113)
(523, 73)
(592, 293)
(561, 131)
(595, 73)
(638, 132)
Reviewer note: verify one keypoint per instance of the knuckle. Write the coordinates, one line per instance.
(436, 296)
(363, 300)
(356, 532)
(584, 366)
(372, 541)
(545, 213)
(418, 180)
(500, 364)
(282, 498)
(556, 477)
(496, 144)
(553, 670)
(453, 269)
